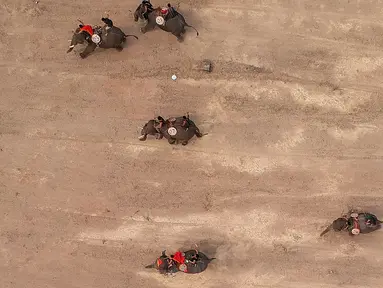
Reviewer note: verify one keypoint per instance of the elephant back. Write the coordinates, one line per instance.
(363, 223)
(149, 128)
(200, 264)
(111, 37)
(162, 265)
(175, 128)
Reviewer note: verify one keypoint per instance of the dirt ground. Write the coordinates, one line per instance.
(293, 109)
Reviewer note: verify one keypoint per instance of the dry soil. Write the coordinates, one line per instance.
(293, 109)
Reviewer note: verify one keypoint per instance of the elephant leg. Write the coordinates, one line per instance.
(89, 49)
(184, 143)
(120, 46)
(159, 136)
(198, 133)
(171, 141)
(179, 37)
(149, 26)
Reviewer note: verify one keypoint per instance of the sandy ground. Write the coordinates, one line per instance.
(294, 115)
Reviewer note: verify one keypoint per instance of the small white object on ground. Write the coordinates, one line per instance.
(174, 77)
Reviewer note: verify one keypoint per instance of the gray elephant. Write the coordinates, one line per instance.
(106, 37)
(191, 262)
(174, 129)
(167, 19)
(355, 223)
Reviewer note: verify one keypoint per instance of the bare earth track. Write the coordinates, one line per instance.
(293, 109)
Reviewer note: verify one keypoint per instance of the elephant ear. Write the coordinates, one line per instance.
(339, 224)
(326, 230)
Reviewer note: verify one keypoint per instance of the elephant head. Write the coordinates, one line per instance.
(150, 129)
(337, 225)
(163, 264)
(142, 10)
(79, 37)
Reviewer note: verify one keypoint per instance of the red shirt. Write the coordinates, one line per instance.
(88, 29)
(179, 257)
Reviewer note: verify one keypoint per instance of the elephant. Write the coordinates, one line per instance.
(173, 21)
(174, 129)
(190, 262)
(355, 223)
(108, 36)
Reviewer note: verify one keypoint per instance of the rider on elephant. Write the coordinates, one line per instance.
(185, 122)
(369, 220)
(180, 258)
(90, 31)
(108, 24)
(149, 8)
(86, 28)
(169, 12)
(161, 121)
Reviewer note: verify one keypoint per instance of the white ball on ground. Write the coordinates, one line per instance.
(174, 77)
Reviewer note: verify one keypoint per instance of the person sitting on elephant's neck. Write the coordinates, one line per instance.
(161, 121)
(166, 266)
(371, 220)
(108, 22)
(185, 123)
(192, 258)
(88, 29)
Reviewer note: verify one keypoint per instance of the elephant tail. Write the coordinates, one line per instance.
(211, 259)
(128, 35)
(149, 266)
(326, 230)
(187, 25)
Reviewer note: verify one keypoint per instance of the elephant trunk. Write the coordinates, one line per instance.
(144, 129)
(150, 266)
(142, 137)
(326, 230)
(72, 44)
(144, 133)
(211, 259)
